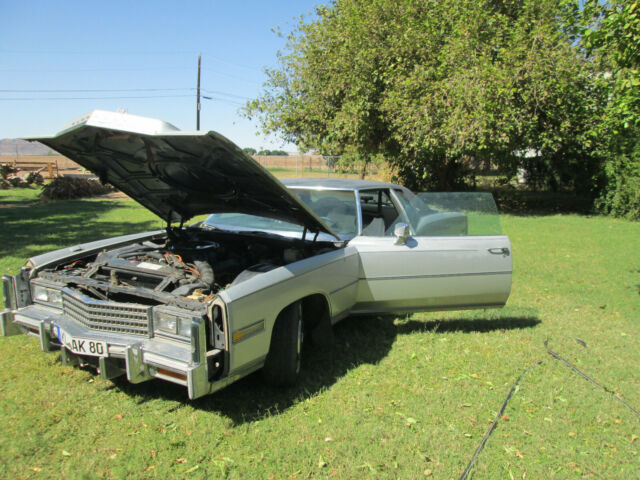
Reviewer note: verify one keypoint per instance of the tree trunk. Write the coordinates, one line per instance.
(363, 172)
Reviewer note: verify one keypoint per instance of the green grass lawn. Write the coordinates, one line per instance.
(406, 397)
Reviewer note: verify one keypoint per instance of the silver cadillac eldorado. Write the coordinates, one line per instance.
(273, 265)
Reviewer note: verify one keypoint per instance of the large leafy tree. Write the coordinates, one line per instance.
(611, 36)
(437, 87)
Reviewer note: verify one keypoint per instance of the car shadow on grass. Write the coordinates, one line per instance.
(358, 341)
(479, 325)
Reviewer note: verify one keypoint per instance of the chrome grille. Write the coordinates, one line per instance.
(123, 318)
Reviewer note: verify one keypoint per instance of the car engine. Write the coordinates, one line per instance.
(186, 268)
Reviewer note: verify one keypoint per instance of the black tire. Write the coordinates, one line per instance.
(282, 365)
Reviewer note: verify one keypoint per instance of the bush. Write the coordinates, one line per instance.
(621, 197)
(64, 188)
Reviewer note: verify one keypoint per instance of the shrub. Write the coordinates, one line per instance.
(64, 188)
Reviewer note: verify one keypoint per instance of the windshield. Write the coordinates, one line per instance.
(242, 221)
(336, 208)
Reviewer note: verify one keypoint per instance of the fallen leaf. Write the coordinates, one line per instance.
(321, 463)
(192, 469)
(119, 416)
(634, 438)
(474, 375)
(572, 434)
(149, 468)
(328, 439)
(181, 460)
(36, 469)
(428, 473)
(65, 453)
(504, 418)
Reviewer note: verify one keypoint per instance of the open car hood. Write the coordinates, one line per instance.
(176, 174)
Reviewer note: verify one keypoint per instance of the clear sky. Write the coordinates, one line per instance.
(60, 59)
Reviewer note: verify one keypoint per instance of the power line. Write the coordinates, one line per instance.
(217, 92)
(27, 99)
(78, 70)
(224, 100)
(93, 98)
(97, 90)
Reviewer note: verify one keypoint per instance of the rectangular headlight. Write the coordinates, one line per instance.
(43, 294)
(165, 322)
(184, 327)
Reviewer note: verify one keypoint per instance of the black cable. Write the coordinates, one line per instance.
(495, 422)
(100, 90)
(586, 377)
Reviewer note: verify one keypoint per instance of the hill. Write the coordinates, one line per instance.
(9, 146)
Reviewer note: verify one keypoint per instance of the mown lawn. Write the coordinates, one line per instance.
(409, 397)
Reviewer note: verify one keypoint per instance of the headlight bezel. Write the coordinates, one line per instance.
(46, 294)
(172, 324)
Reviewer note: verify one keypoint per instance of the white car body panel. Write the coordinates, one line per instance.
(432, 273)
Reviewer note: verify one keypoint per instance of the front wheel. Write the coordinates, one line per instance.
(282, 365)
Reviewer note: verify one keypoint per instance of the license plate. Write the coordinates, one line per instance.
(82, 346)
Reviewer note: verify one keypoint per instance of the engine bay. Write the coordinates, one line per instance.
(186, 267)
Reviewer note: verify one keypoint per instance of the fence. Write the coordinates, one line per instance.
(299, 164)
(48, 163)
(291, 165)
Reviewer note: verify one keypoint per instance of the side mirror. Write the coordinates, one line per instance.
(401, 231)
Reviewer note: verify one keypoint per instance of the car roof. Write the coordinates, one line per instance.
(336, 183)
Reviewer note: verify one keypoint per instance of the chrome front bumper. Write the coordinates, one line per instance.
(140, 358)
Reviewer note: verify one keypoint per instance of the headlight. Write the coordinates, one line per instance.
(184, 327)
(43, 294)
(164, 322)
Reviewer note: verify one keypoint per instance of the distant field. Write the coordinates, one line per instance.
(303, 170)
(406, 397)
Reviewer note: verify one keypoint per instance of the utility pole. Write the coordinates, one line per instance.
(198, 101)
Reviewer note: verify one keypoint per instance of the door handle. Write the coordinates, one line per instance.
(500, 251)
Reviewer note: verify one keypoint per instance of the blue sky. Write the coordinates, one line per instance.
(100, 50)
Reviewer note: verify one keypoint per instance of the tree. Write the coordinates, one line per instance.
(436, 87)
(249, 151)
(611, 36)
(272, 152)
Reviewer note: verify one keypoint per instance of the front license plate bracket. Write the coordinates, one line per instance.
(82, 346)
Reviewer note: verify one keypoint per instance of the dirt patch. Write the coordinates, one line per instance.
(114, 196)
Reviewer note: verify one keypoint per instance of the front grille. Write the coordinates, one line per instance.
(123, 318)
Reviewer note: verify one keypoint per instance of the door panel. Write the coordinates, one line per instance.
(432, 273)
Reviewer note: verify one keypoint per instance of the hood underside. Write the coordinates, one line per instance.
(176, 174)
